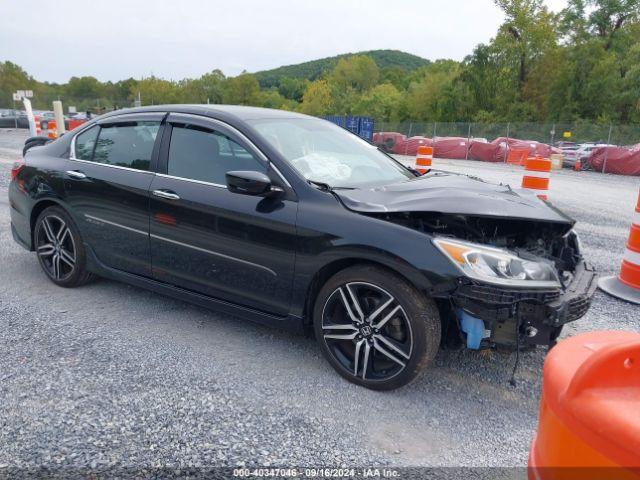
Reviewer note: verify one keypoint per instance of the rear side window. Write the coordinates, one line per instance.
(85, 143)
(201, 154)
(127, 144)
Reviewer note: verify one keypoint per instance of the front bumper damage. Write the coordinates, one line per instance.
(490, 316)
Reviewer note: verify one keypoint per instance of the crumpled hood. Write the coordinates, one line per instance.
(451, 193)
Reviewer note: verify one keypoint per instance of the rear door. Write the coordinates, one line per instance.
(233, 247)
(107, 187)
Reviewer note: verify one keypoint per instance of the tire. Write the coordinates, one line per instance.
(34, 142)
(385, 340)
(60, 249)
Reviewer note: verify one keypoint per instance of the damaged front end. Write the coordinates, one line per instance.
(521, 279)
(521, 272)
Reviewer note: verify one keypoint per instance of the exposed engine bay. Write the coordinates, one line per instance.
(478, 315)
(553, 241)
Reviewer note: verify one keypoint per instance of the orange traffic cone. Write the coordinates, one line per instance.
(423, 159)
(626, 285)
(577, 166)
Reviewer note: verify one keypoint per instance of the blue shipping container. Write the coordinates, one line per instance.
(361, 126)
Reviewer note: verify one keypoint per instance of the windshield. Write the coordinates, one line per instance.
(323, 152)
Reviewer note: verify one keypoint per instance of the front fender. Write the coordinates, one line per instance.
(330, 236)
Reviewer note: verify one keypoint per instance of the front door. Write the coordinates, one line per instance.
(107, 189)
(230, 246)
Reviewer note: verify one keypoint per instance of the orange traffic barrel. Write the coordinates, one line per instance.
(626, 285)
(589, 425)
(517, 155)
(424, 157)
(73, 123)
(36, 119)
(52, 131)
(537, 173)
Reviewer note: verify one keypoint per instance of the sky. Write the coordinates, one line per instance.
(118, 39)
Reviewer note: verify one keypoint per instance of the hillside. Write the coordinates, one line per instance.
(316, 68)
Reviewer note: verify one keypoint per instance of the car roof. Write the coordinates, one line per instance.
(239, 112)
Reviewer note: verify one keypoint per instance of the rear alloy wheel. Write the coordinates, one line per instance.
(59, 248)
(374, 328)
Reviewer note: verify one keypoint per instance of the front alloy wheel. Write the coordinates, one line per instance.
(367, 331)
(374, 328)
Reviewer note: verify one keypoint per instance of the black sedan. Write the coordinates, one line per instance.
(290, 221)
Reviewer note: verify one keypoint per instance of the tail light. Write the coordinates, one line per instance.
(15, 170)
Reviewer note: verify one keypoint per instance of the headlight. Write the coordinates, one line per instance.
(498, 266)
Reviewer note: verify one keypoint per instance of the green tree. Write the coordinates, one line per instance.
(156, 91)
(358, 72)
(605, 19)
(12, 78)
(529, 30)
(242, 90)
(292, 88)
(426, 94)
(316, 99)
(209, 88)
(382, 102)
(272, 99)
(83, 88)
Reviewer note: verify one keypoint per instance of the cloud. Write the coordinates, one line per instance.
(117, 39)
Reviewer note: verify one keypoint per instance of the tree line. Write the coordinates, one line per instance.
(582, 63)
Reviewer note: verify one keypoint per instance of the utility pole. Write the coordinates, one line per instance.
(466, 154)
(606, 150)
(506, 155)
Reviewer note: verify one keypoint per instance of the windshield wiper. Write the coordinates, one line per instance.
(325, 187)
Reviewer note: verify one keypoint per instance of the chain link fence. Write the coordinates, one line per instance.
(548, 133)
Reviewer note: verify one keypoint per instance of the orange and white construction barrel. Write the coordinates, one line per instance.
(52, 131)
(626, 285)
(537, 172)
(36, 120)
(589, 427)
(424, 158)
(517, 156)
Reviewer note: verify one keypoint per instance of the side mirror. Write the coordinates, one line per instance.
(250, 183)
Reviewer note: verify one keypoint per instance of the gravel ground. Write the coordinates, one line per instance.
(110, 375)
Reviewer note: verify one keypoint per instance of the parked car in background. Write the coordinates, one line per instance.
(13, 119)
(585, 151)
(45, 118)
(564, 144)
(581, 152)
(570, 157)
(292, 221)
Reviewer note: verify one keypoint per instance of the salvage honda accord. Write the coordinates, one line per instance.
(291, 221)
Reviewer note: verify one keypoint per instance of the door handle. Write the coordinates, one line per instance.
(166, 194)
(76, 174)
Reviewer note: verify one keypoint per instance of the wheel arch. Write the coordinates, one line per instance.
(329, 269)
(36, 210)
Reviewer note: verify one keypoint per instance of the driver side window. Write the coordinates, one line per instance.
(202, 154)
